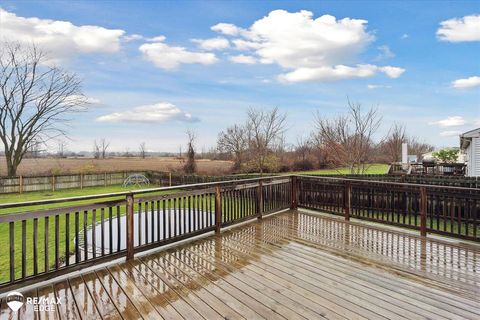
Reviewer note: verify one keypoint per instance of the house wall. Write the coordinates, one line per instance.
(473, 154)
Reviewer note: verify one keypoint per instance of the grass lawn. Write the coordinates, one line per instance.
(373, 169)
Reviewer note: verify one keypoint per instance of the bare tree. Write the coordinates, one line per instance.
(62, 146)
(264, 131)
(303, 148)
(391, 147)
(418, 148)
(190, 166)
(234, 141)
(143, 150)
(100, 148)
(348, 139)
(35, 100)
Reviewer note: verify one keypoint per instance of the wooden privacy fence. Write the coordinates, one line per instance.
(40, 244)
(22, 184)
(451, 211)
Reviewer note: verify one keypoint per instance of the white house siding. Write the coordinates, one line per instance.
(475, 153)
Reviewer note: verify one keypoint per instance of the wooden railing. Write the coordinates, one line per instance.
(446, 210)
(44, 239)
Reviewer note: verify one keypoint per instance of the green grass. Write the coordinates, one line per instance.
(373, 169)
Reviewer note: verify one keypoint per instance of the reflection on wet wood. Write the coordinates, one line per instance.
(288, 266)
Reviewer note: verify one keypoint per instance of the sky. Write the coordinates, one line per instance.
(154, 69)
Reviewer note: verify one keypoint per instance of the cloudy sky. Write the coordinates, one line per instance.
(152, 70)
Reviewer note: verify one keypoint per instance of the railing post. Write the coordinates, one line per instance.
(130, 232)
(260, 199)
(218, 210)
(423, 211)
(294, 203)
(20, 184)
(170, 179)
(348, 200)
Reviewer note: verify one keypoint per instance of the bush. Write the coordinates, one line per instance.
(303, 165)
(446, 155)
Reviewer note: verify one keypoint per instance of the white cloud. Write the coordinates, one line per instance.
(169, 57)
(378, 86)
(454, 121)
(404, 36)
(82, 98)
(61, 39)
(450, 133)
(159, 112)
(308, 49)
(133, 37)
(466, 83)
(385, 53)
(227, 29)
(212, 43)
(459, 30)
(242, 59)
(338, 72)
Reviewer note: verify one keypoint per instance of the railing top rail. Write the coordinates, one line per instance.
(140, 191)
(390, 183)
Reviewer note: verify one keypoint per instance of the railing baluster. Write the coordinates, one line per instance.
(35, 246)
(24, 248)
(67, 239)
(46, 257)
(12, 250)
(57, 241)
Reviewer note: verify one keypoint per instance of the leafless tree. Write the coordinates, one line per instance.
(143, 150)
(62, 146)
(190, 166)
(303, 147)
(418, 148)
(35, 100)
(100, 148)
(391, 147)
(234, 141)
(348, 139)
(264, 128)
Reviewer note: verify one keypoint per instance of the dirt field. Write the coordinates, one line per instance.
(86, 165)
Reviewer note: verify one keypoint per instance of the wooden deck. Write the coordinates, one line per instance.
(289, 266)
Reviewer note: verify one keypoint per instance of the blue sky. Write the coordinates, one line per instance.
(151, 75)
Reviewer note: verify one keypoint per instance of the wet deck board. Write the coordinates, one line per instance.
(289, 266)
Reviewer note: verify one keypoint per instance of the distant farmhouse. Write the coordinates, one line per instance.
(470, 145)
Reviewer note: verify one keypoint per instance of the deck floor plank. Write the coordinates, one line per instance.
(293, 265)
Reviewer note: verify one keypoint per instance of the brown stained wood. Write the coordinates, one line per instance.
(169, 276)
(67, 307)
(291, 265)
(86, 305)
(171, 264)
(48, 292)
(130, 226)
(117, 296)
(143, 306)
(5, 312)
(152, 292)
(165, 287)
(268, 288)
(27, 311)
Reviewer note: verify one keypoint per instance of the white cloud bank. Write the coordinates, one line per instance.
(470, 82)
(159, 112)
(61, 39)
(450, 133)
(218, 43)
(309, 49)
(241, 58)
(454, 121)
(169, 57)
(460, 30)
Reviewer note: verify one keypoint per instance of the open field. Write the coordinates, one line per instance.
(47, 166)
